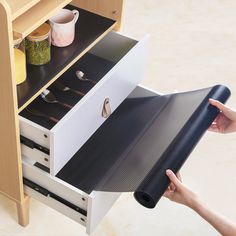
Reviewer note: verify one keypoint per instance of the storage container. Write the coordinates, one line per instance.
(20, 59)
(38, 45)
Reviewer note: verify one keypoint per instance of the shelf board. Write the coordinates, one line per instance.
(37, 15)
(90, 28)
(20, 6)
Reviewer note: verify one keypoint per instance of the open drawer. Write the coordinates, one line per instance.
(117, 64)
(130, 152)
(85, 207)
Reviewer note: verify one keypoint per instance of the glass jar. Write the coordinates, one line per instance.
(20, 59)
(38, 45)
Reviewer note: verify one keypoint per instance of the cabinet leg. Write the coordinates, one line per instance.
(23, 212)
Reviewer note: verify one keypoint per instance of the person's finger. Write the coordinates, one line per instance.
(179, 176)
(214, 128)
(172, 187)
(168, 194)
(173, 178)
(217, 104)
(226, 110)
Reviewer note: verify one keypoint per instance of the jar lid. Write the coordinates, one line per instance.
(17, 39)
(40, 33)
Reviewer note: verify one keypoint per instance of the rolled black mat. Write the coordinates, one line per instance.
(146, 135)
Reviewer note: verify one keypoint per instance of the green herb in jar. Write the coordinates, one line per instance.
(38, 52)
(38, 45)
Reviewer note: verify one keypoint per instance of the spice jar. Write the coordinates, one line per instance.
(38, 45)
(20, 59)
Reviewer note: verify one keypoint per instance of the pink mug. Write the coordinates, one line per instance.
(63, 27)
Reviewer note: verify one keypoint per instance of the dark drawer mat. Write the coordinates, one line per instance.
(94, 67)
(143, 137)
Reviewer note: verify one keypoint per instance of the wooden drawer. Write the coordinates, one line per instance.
(88, 209)
(117, 63)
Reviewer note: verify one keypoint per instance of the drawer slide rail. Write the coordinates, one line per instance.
(31, 144)
(47, 193)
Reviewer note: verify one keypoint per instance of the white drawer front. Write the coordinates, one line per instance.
(74, 129)
(96, 205)
(84, 120)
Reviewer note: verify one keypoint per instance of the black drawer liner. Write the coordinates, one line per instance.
(89, 28)
(94, 68)
(143, 137)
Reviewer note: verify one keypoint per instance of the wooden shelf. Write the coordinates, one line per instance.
(90, 28)
(37, 15)
(20, 6)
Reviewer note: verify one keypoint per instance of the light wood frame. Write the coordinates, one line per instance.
(10, 157)
(11, 179)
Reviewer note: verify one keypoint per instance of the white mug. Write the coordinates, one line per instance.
(63, 27)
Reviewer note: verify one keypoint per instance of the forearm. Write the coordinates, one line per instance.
(223, 225)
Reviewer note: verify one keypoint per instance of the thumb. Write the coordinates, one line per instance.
(173, 178)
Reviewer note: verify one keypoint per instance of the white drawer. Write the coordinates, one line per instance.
(88, 209)
(64, 139)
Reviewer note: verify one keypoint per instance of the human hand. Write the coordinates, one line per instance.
(225, 122)
(178, 192)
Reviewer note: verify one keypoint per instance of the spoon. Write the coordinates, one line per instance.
(49, 97)
(64, 88)
(81, 76)
(35, 112)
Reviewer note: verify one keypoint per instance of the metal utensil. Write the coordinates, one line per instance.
(35, 112)
(64, 88)
(81, 76)
(49, 97)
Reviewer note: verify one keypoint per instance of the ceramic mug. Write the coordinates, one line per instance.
(63, 27)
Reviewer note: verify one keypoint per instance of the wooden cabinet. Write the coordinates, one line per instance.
(23, 17)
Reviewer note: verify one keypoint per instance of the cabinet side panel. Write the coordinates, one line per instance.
(10, 167)
(112, 9)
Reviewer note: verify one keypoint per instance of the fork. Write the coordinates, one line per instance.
(35, 112)
(65, 88)
(49, 97)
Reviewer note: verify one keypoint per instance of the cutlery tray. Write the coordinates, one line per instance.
(117, 64)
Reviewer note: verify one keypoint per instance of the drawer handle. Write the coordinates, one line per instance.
(106, 110)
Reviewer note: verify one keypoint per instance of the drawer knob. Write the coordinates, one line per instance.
(106, 110)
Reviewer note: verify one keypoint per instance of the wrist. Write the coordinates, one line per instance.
(192, 200)
(196, 204)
